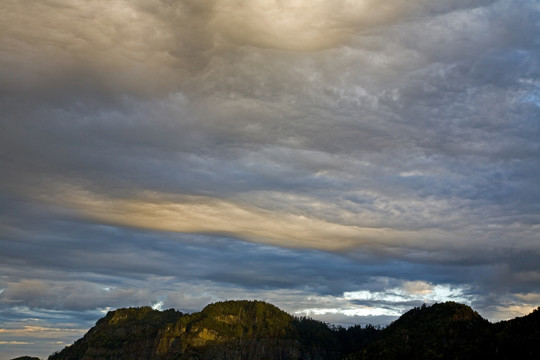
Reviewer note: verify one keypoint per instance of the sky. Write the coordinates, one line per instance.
(345, 160)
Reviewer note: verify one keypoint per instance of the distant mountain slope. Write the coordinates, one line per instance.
(255, 330)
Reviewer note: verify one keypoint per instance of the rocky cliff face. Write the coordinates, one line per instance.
(121, 334)
(233, 330)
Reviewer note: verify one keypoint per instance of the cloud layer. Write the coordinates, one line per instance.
(342, 159)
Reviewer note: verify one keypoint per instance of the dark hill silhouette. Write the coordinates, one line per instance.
(519, 338)
(441, 331)
(255, 330)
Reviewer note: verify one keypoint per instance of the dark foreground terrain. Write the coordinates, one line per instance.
(255, 330)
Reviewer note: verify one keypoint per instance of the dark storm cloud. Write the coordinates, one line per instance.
(353, 155)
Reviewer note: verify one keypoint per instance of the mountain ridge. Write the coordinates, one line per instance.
(256, 330)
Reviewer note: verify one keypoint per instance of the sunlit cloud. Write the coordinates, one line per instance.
(390, 302)
(39, 331)
(299, 24)
(353, 311)
(418, 291)
(200, 214)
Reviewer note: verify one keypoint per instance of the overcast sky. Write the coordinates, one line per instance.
(345, 160)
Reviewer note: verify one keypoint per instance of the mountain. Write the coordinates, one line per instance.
(441, 331)
(225, 330)
(256, 330)
(122, 334)
(519, 338)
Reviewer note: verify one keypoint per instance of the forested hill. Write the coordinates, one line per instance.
(255, 330)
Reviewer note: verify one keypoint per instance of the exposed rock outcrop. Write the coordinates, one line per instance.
(232, 330)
